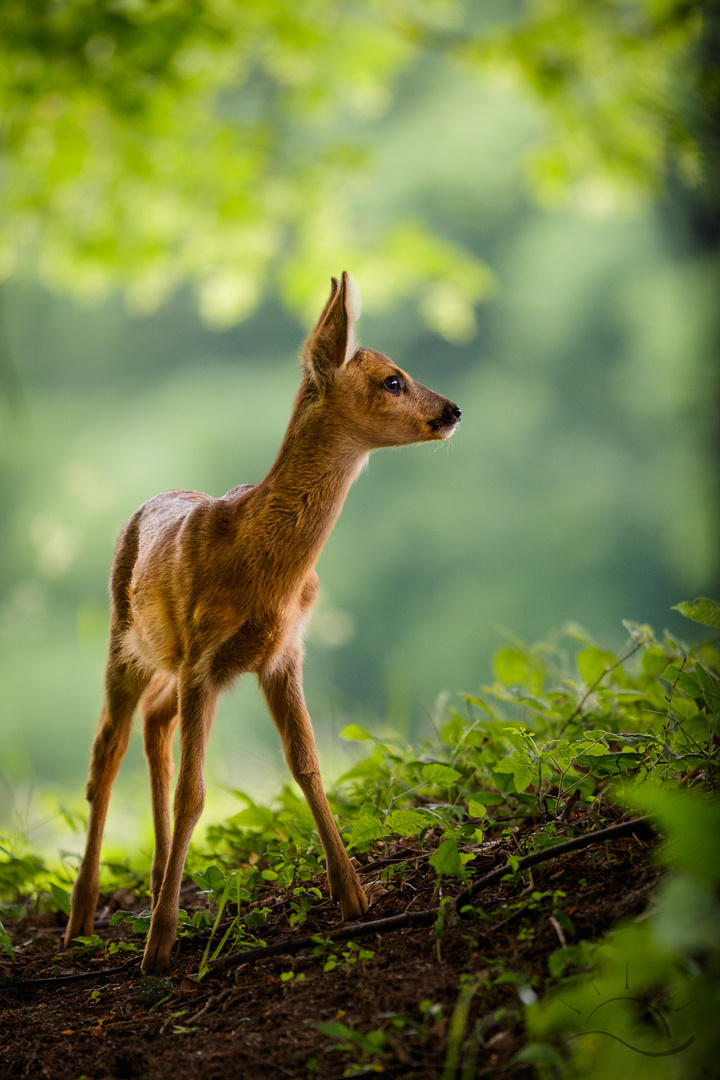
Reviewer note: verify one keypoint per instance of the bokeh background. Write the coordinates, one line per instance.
(523, 192)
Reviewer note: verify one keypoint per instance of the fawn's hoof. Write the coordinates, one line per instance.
(156, 958)
(81, 924)
(353, 902)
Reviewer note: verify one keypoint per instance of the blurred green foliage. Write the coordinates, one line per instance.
(150, 143)
(154, 143)
(647, 1000)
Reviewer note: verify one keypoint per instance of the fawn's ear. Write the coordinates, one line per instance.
(332, 342)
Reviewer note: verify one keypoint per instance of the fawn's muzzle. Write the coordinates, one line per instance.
(449, 417)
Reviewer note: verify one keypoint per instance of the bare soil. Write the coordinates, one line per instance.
(250, 1022)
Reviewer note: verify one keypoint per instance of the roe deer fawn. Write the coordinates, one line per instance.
(205, 589)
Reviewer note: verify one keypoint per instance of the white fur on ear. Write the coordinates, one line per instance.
(353, 308)
(353, 303)
(332, 343)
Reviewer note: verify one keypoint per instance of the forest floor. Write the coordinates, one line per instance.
(435, 1001)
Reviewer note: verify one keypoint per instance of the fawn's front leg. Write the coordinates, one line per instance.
(196, 706)
(284, 694)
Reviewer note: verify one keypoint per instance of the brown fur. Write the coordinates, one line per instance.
(206, 589)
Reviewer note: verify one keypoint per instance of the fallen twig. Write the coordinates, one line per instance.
(625, 828)
(66, 980)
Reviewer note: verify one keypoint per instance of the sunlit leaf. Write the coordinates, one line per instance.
(355, 733)
(61, 897)
(439, 774)
(409, 822)
(702, 610)
(367, 828)
(476, 809)
(447, 860)
(593, 662)
(511, 666)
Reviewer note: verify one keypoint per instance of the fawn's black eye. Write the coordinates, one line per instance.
(394, 384)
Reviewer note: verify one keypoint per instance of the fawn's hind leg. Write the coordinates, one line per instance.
(196, 708)
(159, 707)
(123, 687)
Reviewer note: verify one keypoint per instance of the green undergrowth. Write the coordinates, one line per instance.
(565, 729)
(563, 722)
(644, 1000)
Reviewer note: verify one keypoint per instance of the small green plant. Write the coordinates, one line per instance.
(292, 976)
(89, 943)
(301, 903)
(93, 943)
(458, 1025)
(365, 1047)
(154, 990)
(139, 920)
(6, 942)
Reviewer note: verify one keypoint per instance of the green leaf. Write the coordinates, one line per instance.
(211, 880)
(439, 774)
(335, 1030)
(702, 610)
(694, 732)
(540, 1053)
(641, 633)
(354, 733)
(610, 764)
(595, 749)
(139, 921)
(488, 798)
(254, 817)
(448, 860)
(511, 666)
(561, 959)
(88, 941)
(367, 828)
(521, 768)
(61, 897)
(684, 679)
(476, 808)
(201, 920)
(5, 942)
(654, 661)
(472, 699)
(689, 822)
(517, 729)
(593, 662)
(710, 685)
(408, 822)
(636, 738)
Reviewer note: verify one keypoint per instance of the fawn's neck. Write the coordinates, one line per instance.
(301, 497)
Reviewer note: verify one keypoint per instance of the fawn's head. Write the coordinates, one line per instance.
(365, 392)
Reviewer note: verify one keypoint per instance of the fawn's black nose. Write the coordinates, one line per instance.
(448, 418)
